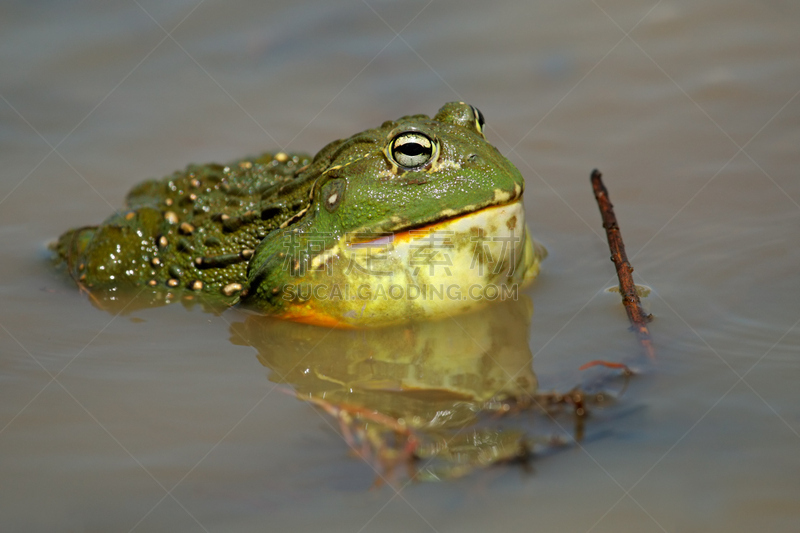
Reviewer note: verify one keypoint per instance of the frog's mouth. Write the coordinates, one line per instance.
(493, 240)
(483, 221)
(401, 229)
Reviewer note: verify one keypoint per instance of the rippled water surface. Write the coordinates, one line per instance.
(166, 419)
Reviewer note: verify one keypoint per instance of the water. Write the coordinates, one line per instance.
(157, 420)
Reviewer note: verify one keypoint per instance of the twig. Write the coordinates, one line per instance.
(630, 298)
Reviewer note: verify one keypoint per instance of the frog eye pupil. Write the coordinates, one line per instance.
(412, 149)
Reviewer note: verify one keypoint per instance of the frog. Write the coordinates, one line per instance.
(420, 218)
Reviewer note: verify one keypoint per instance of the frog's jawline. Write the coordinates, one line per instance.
(404, 233)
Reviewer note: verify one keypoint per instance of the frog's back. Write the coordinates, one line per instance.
(193, 230)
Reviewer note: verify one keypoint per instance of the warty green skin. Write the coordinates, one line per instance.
(245, 230)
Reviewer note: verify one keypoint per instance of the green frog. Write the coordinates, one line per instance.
(419, 218)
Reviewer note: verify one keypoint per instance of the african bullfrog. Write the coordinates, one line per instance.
(418, 218)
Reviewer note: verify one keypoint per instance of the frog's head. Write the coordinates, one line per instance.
(413, 173)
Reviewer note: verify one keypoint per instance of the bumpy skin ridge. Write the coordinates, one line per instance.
(211, 212)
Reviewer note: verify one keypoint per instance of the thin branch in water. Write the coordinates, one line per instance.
(630, 298)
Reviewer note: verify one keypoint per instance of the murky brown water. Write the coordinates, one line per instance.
(158, 420)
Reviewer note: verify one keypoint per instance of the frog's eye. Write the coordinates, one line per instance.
(412, 149)
(480, 122)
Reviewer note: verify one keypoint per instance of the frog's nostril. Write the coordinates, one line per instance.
(474, 158)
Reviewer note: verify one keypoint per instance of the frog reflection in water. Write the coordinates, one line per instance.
(408, 221)
(421, 391)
